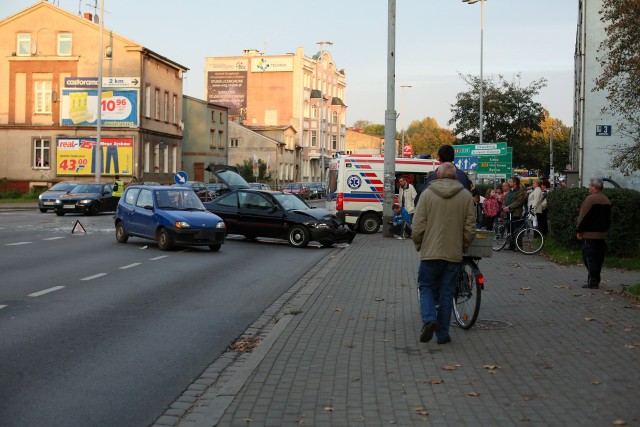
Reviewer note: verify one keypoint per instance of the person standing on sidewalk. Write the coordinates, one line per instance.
(443, 229)
(594, 220)
(514, 202)
(118, 187)
(406, 195)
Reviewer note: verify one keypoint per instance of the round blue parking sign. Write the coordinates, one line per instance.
(180, 177)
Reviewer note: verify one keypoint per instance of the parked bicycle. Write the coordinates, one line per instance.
(528, 239)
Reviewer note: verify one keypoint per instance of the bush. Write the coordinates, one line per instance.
(10, 194)
(624, 235)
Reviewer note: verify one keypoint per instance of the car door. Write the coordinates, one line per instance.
(143, 219)
(126, 209)
(258, 215)
(107, 201)
(226, 207)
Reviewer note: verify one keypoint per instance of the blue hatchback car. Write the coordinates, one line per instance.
(169, 215)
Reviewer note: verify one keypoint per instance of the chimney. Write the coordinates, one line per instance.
(88, 16)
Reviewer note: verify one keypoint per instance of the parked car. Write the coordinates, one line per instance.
(215, 189)
(87, 198)
(198, 187)
(300, 189)
(169, 215)
(259, 186)
(318, 190)
(262, 213)
(47, 200)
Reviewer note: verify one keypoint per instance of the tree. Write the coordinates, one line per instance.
(361, 124)
(540, 145)
(373, 129)
(509, 114)
(620, 76)
(246, 170)
(426, 136)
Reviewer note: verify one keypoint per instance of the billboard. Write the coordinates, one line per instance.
(227, 84)
(76, 156)
(79, 107)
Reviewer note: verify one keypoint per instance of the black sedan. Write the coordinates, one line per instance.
(261, 213)
(89, 199)
(47, 200)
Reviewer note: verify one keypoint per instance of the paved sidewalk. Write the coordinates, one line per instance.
(341, 348)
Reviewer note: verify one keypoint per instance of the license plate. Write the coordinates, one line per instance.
(69, 206)
(49, 203)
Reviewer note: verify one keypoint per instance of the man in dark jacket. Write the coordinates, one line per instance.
(446, 154)
(593, 223)
(514, 202)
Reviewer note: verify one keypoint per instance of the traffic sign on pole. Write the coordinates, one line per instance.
(180, 177)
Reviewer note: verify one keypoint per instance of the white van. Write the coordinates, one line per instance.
(356, 187)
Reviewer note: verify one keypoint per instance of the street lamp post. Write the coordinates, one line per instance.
(98, 157)
(403, 87)
(322, 148)
(481, 58)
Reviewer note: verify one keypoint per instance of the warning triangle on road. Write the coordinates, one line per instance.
(78, 228)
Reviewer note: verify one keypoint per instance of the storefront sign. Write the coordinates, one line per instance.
(80, 107)
(76, 156)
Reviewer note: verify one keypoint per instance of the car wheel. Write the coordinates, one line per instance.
(164, 240)
(121, 235)
(60, 213)
(298, 236)
(43, 210)
(94, 210)
(215, 248)
(370, 223)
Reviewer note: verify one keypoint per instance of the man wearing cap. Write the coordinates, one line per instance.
(443, 229)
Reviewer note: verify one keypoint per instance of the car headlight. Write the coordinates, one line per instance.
(182, 224)
(221, 224)
(320, 225)
(85, 202)
(40, 197)
(58, 201)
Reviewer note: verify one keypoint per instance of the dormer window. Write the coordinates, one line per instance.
(24, 44)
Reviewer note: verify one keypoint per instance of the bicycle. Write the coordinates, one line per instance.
(529, 240)
(467, 297)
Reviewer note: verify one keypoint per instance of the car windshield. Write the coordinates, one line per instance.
(178, 199)
(63, 186)
(291, 202)
(87, 188)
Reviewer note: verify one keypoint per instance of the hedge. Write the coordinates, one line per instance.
(624, 235)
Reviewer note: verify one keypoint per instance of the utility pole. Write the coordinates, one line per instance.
(390, 123)
(98, 156)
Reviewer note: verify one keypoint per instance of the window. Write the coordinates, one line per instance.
(233, 143)
(42, 97)
(157, 116)
(212, 142)
(334, 117)
(174, 165)
(131, 196)
(147, 101)
(166, 106)
(314, 138)
(41, 153)
(64, 44)
(334, 142)
(221, 118)
(175, 109)
(145, 198)
(314, 111)
(147, 156)
(165, 166)
(24, 44)
(220, 139)
(156, 158)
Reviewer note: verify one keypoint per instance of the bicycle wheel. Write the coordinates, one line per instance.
(466, 301)
(529, 241)
(499, 236)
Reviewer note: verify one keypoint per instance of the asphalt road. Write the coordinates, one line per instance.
(93, 332)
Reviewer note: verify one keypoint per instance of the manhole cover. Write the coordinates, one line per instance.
(492, 324)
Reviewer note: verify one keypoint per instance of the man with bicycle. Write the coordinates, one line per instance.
(443, 228)
(514, 204)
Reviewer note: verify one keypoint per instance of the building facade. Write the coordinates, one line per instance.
(306, 93)
(358, 142)
(595, 134)
(205, 137)
(49, 102)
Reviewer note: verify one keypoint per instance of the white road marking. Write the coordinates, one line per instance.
(3, 306)
(129, 266)
(46, 291)
(55, 238)
(158, 257)
(95, 276)
(17, 243)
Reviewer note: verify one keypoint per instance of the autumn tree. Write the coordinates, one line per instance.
(540, 145)
(361, 124)
(373, 129)
(620, 61)
(509, 114)
(425, 136)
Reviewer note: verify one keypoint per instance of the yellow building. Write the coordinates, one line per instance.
(306, 93)
(49, 102)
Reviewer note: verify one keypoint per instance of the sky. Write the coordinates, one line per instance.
(436, 41)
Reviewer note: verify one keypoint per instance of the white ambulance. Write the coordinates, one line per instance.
(356, 187)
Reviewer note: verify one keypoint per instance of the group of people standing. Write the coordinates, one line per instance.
(442, 219)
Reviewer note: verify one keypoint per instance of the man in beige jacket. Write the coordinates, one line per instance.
(443, 228)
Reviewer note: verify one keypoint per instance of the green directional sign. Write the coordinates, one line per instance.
(495, 166)
(469, 150)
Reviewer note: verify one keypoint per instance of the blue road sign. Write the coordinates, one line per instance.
(180, 177)
(466, 163)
